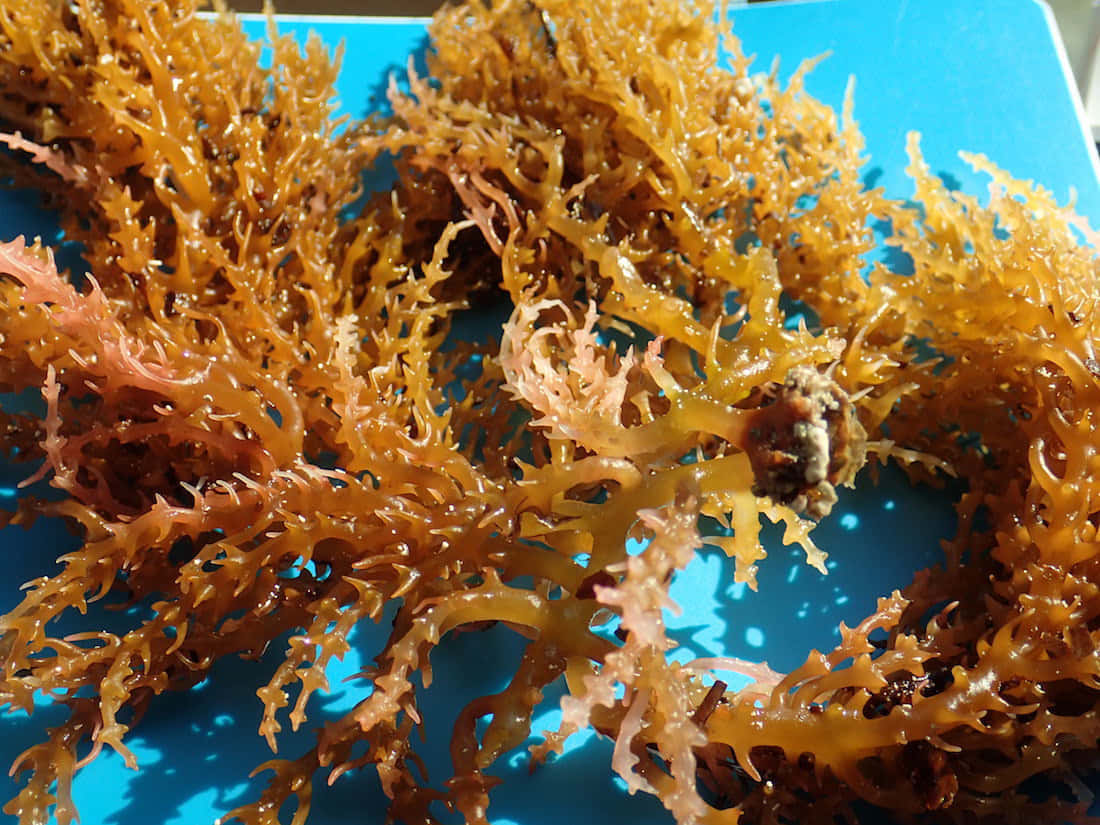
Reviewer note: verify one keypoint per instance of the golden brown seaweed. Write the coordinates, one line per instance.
(261, 420)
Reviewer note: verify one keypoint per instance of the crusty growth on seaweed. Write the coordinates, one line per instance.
(253, 416)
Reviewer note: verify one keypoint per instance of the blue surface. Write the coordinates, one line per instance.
(983, 76)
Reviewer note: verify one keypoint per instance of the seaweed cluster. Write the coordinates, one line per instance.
(262, 420)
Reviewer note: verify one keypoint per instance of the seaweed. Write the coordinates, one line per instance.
(261, 421)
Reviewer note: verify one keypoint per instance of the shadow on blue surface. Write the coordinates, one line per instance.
(198, 748)
(797, 609)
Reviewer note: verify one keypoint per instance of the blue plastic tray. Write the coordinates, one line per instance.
(985, 76)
